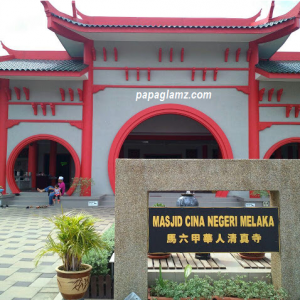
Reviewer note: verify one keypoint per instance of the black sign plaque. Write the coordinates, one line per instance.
(213, 229)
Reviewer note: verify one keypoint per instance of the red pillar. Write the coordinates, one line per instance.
(253, 109)
(4, 84)
(52, 160)
(87, 119)
(32, 162)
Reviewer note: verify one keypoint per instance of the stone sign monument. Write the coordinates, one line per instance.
(136, 178)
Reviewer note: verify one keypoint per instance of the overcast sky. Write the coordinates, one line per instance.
(23, 23)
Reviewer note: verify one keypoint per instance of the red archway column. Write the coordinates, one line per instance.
(164, 109)
(16, 151)
(4, 85)
(32, 162)
(87, 119)
(253, 109)
(52, 161)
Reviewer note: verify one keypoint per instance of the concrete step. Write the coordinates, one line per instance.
(169, 199)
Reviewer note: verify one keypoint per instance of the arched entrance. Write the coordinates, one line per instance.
(17, 150)
(287, 149)
(167, 109)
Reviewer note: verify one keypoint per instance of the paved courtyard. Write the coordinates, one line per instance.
(22, 234)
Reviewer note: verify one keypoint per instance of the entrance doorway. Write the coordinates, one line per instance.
(285, 149)
(40, 163)
(170, 137)
(28, 163)
(167, 109)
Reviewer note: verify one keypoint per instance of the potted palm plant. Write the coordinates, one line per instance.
(72, 237)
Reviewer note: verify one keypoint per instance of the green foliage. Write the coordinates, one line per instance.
(73, 236)
(81, 185)
(223, 287)
(159, 205)
(99, 260)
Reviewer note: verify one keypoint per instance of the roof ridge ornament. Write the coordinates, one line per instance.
(8, 50)
(74, 9)
(270, 15)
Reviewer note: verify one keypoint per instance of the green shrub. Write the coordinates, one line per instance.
(207, 287)
(99, 260)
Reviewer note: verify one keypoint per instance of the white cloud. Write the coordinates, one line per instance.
(23, 23)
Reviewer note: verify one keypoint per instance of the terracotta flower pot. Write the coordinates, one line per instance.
(252, 256)
(73, 284)
(158, 256)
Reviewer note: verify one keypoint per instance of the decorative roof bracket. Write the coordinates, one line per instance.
(237, 54)
(44, 108)
(226, 54)
(62, 93)
(80, 94)
(270, 94)
(288, 110)
(26, 91)
(261, 94)
(215, 74)
(18, 93)
(171, 54)
(34, 106)
(182, 54)
(279, 93)
(71, 92)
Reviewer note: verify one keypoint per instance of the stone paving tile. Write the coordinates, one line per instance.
(7, 271)
(4, 286)
(22, 283)
(45, 296)
(19, 276)
(25, 270)
(23, 264)
(18, 292)
(49, 275)
(11, 260)
(5, 265)
(46, 263)
(46, 269)
(40, 282)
